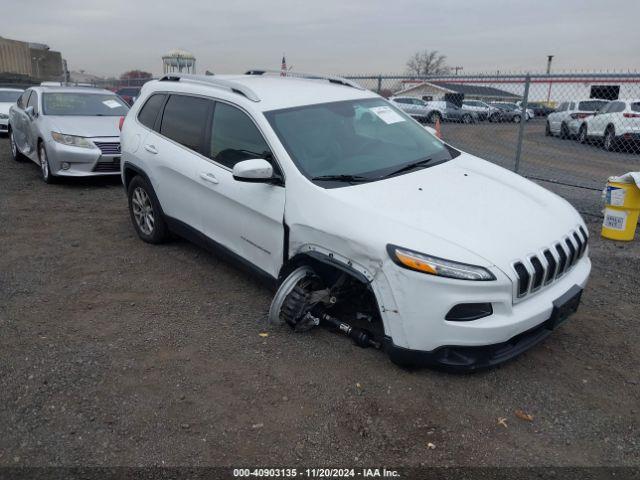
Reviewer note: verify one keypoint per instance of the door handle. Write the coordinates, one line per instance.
(209, 177)
(151, 149)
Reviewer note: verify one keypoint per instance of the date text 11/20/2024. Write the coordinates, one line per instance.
(315, 473)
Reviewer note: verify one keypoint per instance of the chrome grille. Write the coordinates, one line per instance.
(109, 148)
(542, 269)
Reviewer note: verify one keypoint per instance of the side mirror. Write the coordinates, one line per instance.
(30, 111)
(255, 170)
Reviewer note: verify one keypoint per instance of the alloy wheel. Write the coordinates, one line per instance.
(44, 163)
(14, 147)
(143, 210)
(608, 140)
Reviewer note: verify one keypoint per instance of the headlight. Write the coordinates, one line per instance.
(437, 266)
(3, 116)
(72, 140)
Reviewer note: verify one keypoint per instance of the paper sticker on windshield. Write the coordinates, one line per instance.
(112, 103)
(387, 115)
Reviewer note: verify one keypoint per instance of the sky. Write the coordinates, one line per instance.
(108, 37)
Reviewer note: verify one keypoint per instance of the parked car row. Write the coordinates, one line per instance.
(327, 191)
(610, 123)
(471, 111)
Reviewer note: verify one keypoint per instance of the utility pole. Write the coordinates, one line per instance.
(549, 60)
(457, 68)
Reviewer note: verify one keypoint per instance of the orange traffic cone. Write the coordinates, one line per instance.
(438, 131)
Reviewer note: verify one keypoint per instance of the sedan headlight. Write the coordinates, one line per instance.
(72, 140)
(4, 116)
(437, 266)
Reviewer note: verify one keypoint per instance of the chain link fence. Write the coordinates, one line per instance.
(573, 129)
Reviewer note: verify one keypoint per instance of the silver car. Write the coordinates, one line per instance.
(68, 131)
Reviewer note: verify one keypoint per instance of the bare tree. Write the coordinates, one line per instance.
(427, 62)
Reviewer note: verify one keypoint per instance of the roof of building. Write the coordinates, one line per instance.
(464, 88)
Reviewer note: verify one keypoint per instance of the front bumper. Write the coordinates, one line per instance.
(468, 359)
(414, 314)
(82, 162)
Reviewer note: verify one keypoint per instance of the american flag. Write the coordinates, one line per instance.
(283, 67)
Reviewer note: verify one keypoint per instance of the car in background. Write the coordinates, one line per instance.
(129, 94)
(482, 109)
(507, 112)
(449, 112)
(518, 106)
(617, 123)
(569, 116)
(416, 107)
(8, 97)
(68, 131)
(539, 109)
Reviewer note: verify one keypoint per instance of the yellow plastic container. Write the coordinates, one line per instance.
(622, 206)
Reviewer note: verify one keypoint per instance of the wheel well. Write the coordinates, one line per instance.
(331, 271)
(326, 268)
(610, 127)
(129, 174)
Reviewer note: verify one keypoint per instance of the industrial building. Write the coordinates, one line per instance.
(29, 61)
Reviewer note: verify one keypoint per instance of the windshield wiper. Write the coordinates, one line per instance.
(342, 178)
(410, 166)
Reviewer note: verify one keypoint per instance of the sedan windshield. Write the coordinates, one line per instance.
(85, 104)
(356, 140)
(9, 96)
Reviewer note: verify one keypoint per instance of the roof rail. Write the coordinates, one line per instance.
(213, 81)
(308, 76)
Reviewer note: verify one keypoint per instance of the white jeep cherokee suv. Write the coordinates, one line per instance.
(359, 216)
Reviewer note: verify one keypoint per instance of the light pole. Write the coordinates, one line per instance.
(549, 60)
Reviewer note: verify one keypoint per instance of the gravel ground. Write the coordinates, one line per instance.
(115, 352)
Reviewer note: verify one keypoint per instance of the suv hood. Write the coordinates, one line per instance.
(81, 126)
(468, 203)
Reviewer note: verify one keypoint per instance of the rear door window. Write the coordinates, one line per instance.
(33, 101)
(149, 112)
(24, 99)
(184, 120)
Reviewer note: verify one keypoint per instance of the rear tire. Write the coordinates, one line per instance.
(15, 153)
(145, 211)
(434, 117)
(516, 119)
(467, 119)
(582, 134)
(609, 140)
(547, 130)
(564, 131)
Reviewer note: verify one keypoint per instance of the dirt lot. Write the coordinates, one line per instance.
(115, 352)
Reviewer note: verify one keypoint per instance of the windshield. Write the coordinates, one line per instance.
(9, 96)
(85, 104)
(364, 138)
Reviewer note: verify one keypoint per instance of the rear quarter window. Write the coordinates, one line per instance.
(635, 107)
(149, 112)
